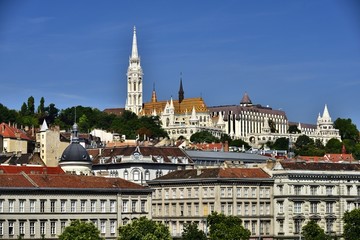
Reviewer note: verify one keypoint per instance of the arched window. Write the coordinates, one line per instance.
(147, 175)
(126, 175)
(136, 175)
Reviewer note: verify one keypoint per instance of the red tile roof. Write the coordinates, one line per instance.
(11, 132)
(333, 157)
(65, 181)
(217, 173)
(30, 169)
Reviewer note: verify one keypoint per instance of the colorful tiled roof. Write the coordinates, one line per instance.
(216, 173)
(187, 104)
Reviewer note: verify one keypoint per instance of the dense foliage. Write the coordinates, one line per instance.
(80, 230)
(192, 232)
(144, 229)
(226, 227)
(352, 224)
(312, 231)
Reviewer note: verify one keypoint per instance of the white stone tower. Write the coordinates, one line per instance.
(134, 100)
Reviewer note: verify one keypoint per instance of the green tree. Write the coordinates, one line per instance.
(312, 231)
(51, 113)
(7, 115)
(203, 137)
(31, 106)
(240, 143)
(347, 129)
(333, 146)
(24, 109)
(226, 227)
(272, 126)
(41, 107)
(80, 230)
(352, 224)
(144, 229)
(281, 144)
(84, 125)
(293, 129)
(192, 232)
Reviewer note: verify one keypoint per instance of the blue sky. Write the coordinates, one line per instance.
(291, 55)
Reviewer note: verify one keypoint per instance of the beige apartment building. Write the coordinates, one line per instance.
(191, 195)
(36, 205)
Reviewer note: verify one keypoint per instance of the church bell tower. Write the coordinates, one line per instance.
(134, 100)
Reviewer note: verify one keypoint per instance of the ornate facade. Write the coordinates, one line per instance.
(135, 74)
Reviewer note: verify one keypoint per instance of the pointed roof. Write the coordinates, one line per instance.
(153, 95)
(326, 115)
(245, 100)
(44, 126)
(181, 91)
(134, 52)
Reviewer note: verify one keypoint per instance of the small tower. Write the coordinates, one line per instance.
(134, 100)
(181, 91)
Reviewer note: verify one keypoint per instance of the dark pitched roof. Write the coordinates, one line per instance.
(320, 166)
(164, 152)
(216, 173)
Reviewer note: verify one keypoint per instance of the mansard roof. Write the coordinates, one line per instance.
(217, 173)
(237, 110)
(8, 131)
(64, 181)
(148, 151)
(319, 166)
(186, 104)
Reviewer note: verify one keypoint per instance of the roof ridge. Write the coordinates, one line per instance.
(29, 179)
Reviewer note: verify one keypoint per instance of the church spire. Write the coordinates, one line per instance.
(181, 90)
(153, 96)
(134, 52)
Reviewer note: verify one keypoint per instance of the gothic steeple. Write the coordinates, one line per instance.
(134, 100)
(181, 90)
(153, 95)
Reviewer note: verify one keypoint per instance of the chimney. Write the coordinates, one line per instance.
(226, 146)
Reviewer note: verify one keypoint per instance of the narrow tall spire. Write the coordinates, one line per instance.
(134, 52)
(181, 90)
(153, 96)
(326, 115)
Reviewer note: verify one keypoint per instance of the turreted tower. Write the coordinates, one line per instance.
(134, 100)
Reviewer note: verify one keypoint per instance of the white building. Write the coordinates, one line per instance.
(36, 205)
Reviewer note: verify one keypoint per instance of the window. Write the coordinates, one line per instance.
(223, 208)
(348, 190)
(166, 193)
(181, 209)
(196, 192)
(253, 192)
(42, 227)
(1, 205)
(103, 205)
(261, 208)
(281, 207)
(246, 192)
(52, 227)
(173, 193)
(189, 193)
(229, 209)
(196, 206)
(253, 227)
(11, 228)
(229, 192)
(188, 209)
(297, 190)
(246, 209)
(62, 226)
(112, 206)
(136, 175)
(133, 205)
(313, 207)
(102, 227)
(329, 225)
(238, 208)
(73, 206)
(11, 205)
(173, 208)
(63, 206)
(181, 193)
(147, 175)
(222, 192)
(22, 205)
(32, 228)
(93, 205)
(205, 192)
(52, 206)
(313, 190)
(211, 192)
(238, 192)
(297, 225)
(253, 209)
(329, 190)
(281, 189)
(125, 206)
(143, 206)
(1, 228)
(297, 207)
(112, 227)
(159, 193)
(329, 207)
(21, 227)
(281, 226)
(42, 205)
(126, 175)
(267, 210)
(83, 205)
